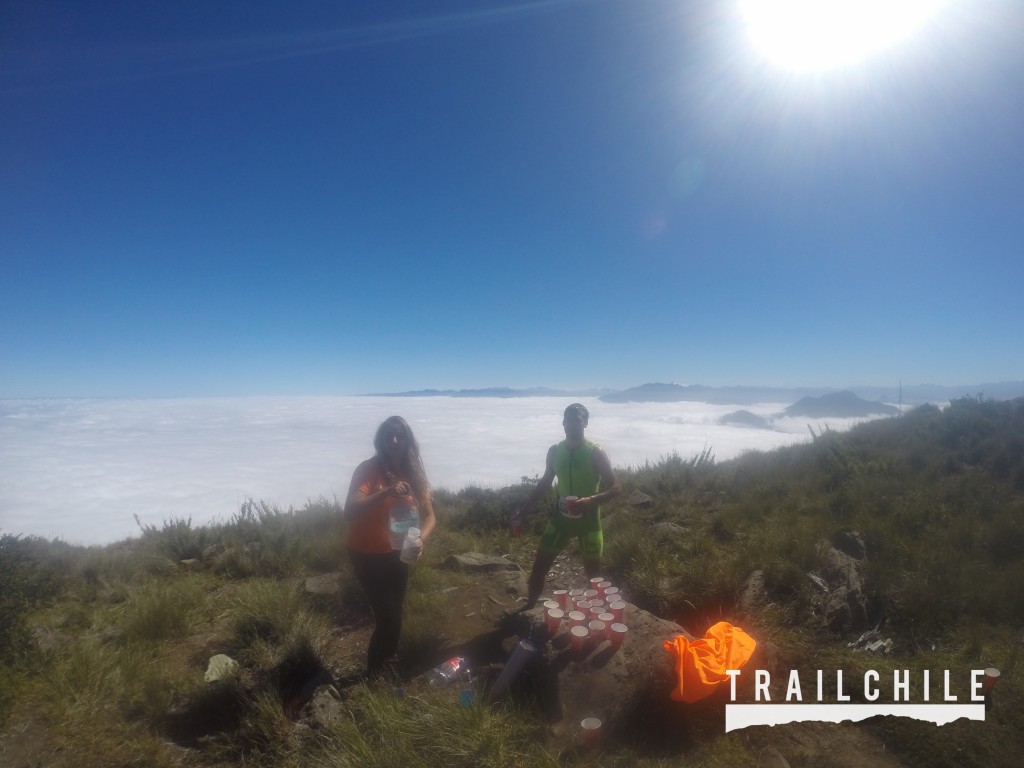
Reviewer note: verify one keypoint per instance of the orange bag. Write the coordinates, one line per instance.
(701, 664)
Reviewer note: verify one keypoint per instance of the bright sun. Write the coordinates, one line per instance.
(816, 35)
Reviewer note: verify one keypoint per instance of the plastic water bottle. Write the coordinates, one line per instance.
(402, 516)
(453, 669)
(410, 545)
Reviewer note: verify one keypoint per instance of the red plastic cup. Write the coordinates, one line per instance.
(617, 633)
(591, 729)
(579, 637)
(607, 618)
(988, 682)
(548, 604)
(575, 594)
(553, 618)
(576, 618)
(595, 581)
(598, 630)
(562, 596)
(611, 594)
(603, 587)
(618, 610)
(590, 594)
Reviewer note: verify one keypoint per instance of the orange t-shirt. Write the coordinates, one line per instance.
(701, 664)
(369, 532)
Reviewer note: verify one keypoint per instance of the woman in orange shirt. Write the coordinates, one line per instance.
(382, 491)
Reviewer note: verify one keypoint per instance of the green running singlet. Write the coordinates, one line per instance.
(577, 476)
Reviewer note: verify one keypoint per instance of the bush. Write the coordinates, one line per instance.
(30, 578)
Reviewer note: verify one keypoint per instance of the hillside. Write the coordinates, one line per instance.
(102, 650)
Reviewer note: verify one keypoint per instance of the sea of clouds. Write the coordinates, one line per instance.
(82, 470)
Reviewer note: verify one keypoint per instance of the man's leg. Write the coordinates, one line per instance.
(592, 547)
(552, 541)
(541, 565)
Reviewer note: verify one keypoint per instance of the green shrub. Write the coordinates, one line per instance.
(32, 573)
(162, 610)
(176, 540)
(263, 541)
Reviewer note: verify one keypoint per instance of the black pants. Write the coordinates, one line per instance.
(384, 579)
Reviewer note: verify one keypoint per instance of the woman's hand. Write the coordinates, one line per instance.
(401, 488)
(417, 548)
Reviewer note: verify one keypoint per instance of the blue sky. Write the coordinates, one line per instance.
(214, 198)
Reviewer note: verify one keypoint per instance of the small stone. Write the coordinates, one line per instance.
(221, 668)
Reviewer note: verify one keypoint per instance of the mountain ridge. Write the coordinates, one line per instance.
(910, 395)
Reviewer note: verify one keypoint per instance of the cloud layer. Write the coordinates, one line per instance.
(81, 470)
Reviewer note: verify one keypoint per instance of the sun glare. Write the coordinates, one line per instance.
(817, 35)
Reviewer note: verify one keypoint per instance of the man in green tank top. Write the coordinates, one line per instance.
(585, 481)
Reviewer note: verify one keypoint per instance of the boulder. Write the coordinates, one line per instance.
(475, 562)
(838, 592)
(667, 531)
(845, 605)
(324, 709)
(503, 576)
(850, 543)
(326, 584)
(639, 499)
(753, 594)
(599, 681)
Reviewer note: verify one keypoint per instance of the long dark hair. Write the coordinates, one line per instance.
(412, 464)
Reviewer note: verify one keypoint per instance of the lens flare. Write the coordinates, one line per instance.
(816, 35)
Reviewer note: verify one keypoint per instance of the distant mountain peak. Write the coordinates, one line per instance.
(838, 405)
(505, 392)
